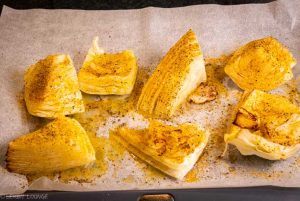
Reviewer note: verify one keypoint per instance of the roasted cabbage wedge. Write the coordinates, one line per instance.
(176, 76)
(172, 149)
(52, 89)
(60, 145)
(107, 73)
(265, 125)
(262, 64)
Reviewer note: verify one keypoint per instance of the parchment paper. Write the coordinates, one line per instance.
(29, 35)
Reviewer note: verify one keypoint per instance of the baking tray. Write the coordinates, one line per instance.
(263, 193)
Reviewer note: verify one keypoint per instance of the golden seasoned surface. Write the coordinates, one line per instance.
(265, 125)
(60, 145)
(174, 143)
(118, 64)
(177, 75)
(262, 64)
(265, 114)
(108, 73)
(52, 89)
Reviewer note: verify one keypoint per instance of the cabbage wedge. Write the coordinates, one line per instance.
(265, 125)
(108, 73)
(262, 64)
(52, 89)
(60, 145)
(172, 149)
(176, 76)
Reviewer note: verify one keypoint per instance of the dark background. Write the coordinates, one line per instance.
(116, 4)
(267, 193)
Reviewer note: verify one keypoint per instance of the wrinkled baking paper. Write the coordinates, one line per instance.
(29, 35)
